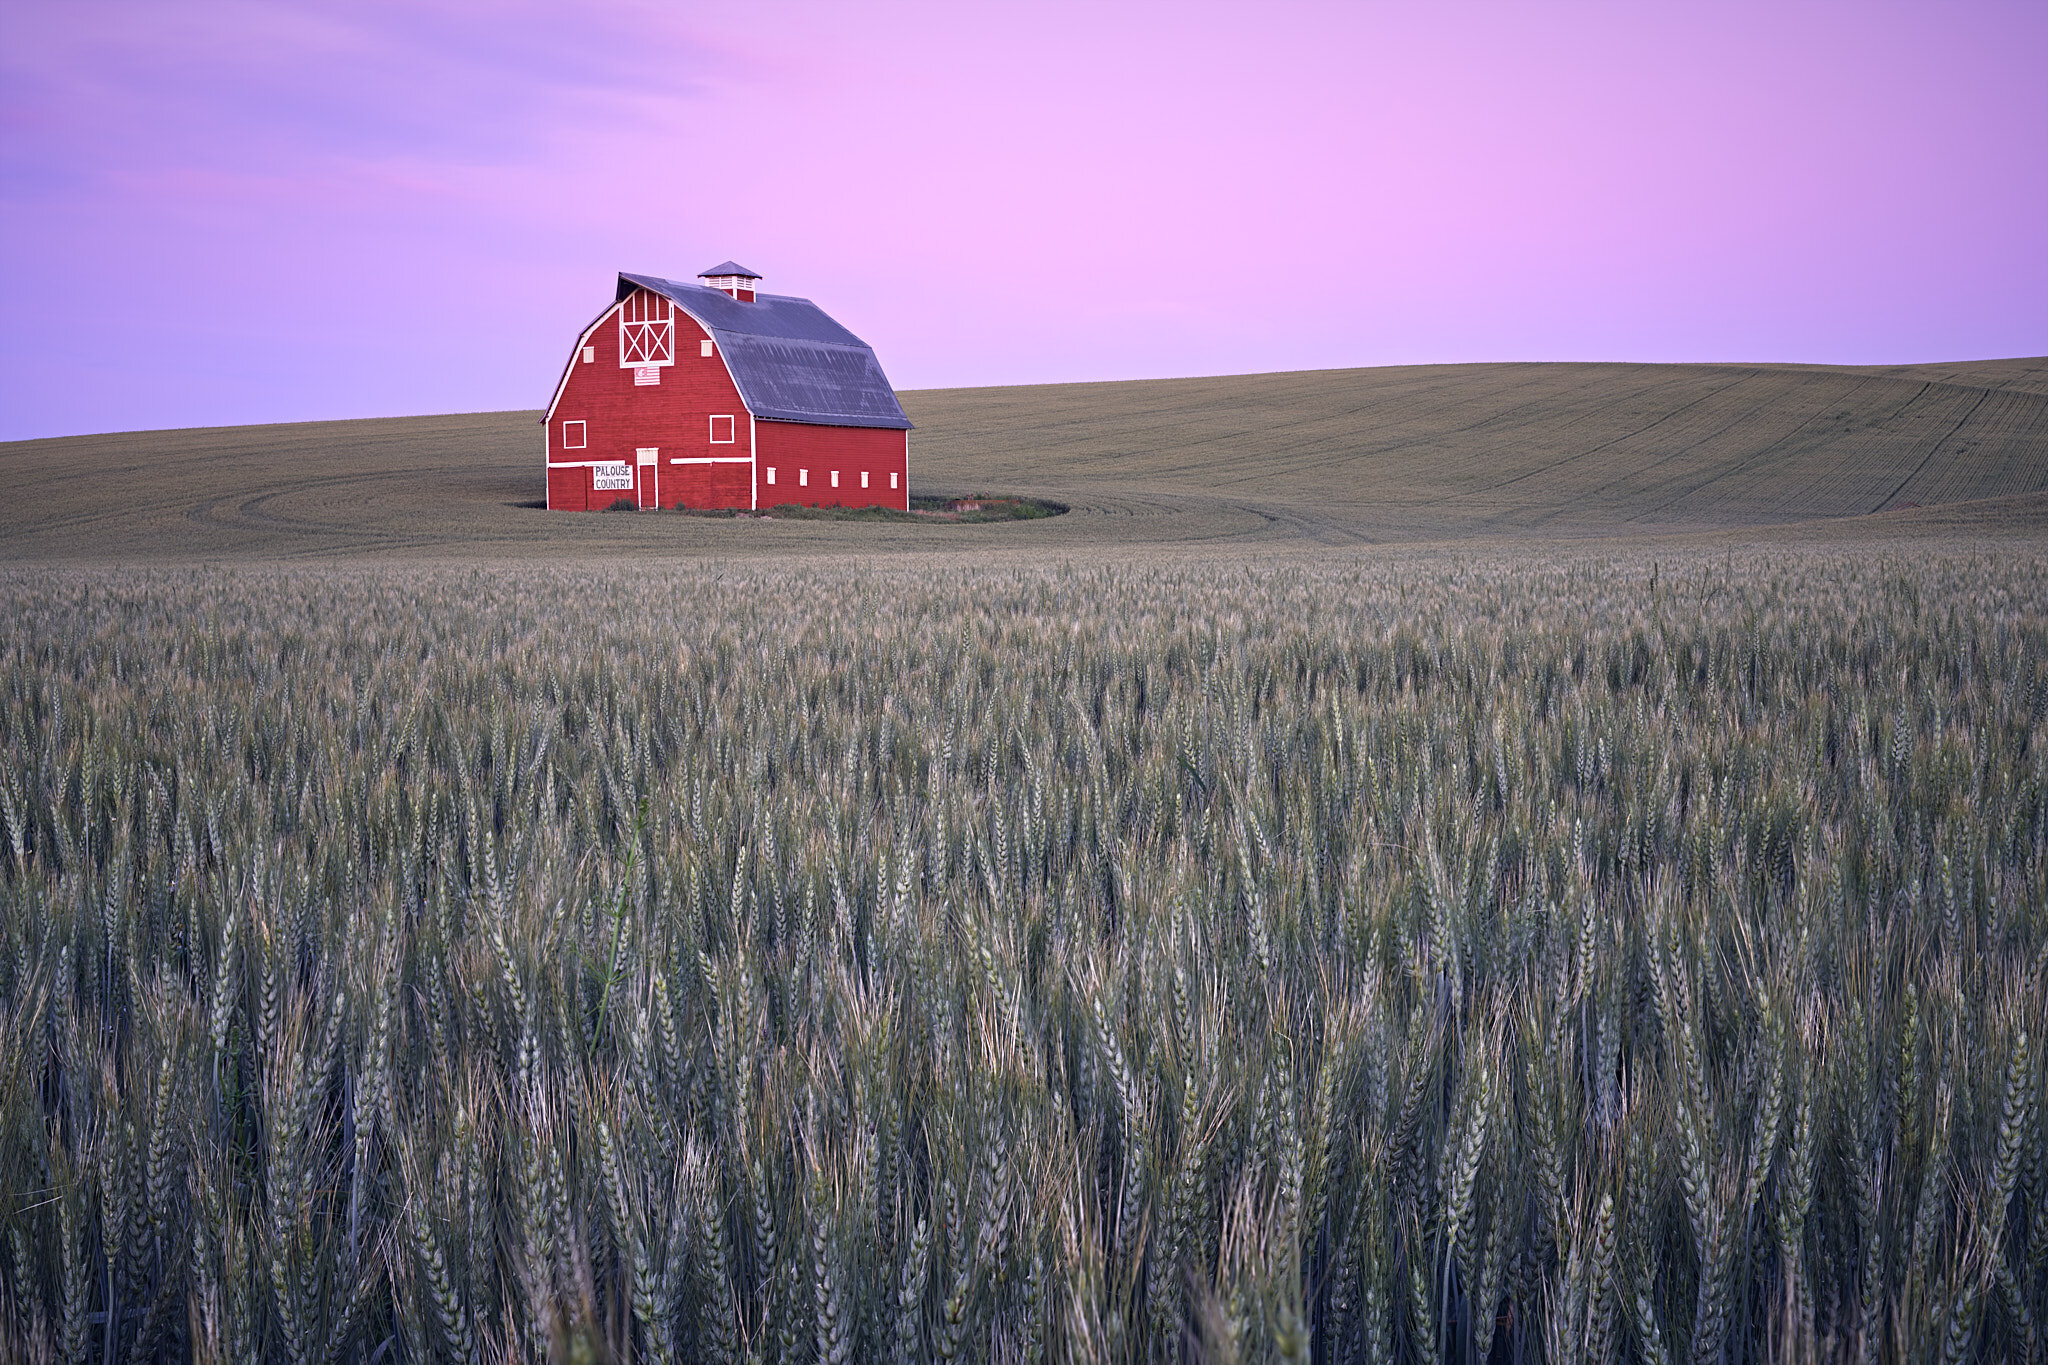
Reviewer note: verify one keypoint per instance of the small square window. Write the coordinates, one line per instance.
(771, 474)
(863, 478)
(574, 435)
(835, 478)
(803, 478)
(721, 430)
(704, 347)
(589, 354)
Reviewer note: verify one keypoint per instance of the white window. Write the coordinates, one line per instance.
(647, 332)
(892, 481)
(646, 374)
(863, 478)
(771, 473)
(589, 354)
(647, 454)
(721, 429)
(704, 347)
(803, 478)
(835, 478)
(574, 436)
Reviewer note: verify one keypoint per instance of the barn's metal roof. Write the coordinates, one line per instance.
(791, 361)
(726, 268)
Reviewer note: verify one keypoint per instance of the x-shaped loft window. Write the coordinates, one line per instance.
(647, 330)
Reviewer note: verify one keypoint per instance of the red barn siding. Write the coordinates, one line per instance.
(673, 417)
(707, 485)
(569, 490)
(791, 446)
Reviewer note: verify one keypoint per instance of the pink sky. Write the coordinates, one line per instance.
(227, 211)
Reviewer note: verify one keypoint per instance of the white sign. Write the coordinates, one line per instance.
(605, 476)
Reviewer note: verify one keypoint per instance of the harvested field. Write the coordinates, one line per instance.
(1271, 462)
(1402, 454)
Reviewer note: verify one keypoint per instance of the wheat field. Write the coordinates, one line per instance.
(1550, 955)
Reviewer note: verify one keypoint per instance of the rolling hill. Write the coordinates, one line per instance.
(1398, 454)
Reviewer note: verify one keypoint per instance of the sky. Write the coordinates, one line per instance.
(217, 212)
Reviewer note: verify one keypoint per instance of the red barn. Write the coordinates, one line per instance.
(717, 395)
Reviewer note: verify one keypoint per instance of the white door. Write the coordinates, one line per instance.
(649, 476)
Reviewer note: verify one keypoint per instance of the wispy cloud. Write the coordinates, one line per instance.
(109, 91)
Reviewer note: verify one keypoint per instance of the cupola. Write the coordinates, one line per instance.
(731, 277)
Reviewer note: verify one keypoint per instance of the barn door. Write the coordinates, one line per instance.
(648, 472)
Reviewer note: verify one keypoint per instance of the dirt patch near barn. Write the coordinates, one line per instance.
(986, 507)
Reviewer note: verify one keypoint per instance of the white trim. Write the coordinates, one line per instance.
(644, 459)
(583, 443)
(735, 285)
(753, 449)
(570, 368)
(582, 464)
(719, 351)
(712, 430)
(653, 326)
(710, 459)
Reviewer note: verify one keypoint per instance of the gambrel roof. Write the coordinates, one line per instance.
(791, 361)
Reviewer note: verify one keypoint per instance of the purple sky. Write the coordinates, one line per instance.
(226, 211)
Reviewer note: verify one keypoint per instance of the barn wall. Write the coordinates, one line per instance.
(791, 446)
(672, 416)
(708, 485)
(568, 490)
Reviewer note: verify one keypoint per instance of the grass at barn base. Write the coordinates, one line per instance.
(927, 510)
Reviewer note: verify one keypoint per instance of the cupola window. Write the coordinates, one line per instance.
(730, 277)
